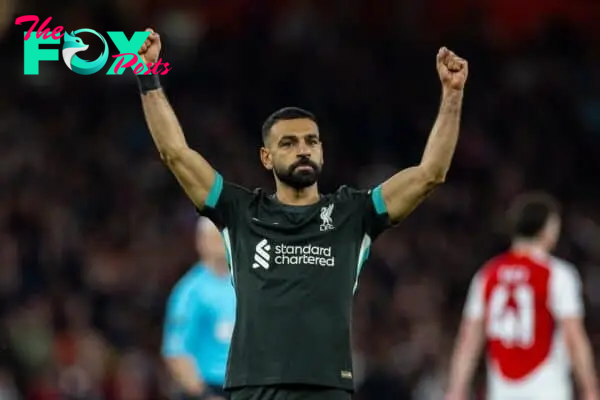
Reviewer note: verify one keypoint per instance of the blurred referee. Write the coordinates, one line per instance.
(199, 321)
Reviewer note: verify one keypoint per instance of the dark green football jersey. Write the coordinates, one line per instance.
(295, 270)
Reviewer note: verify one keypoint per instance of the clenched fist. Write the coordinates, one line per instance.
(452, 69)
(151, 48)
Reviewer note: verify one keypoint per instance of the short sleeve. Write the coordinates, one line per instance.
(369, 206)
(183, 309)
(374, 212)
(224, 201)
(474, 306)
(565, 291)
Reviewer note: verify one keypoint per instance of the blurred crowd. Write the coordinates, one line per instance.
(94, 230)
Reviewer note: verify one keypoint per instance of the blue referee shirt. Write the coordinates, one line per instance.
(199, 322)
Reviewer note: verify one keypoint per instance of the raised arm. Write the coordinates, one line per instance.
(406, 189)
(193, 172)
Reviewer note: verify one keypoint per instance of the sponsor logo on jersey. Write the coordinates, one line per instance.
(262, 256)
(304, 255)
(326, 219)
(284, 254)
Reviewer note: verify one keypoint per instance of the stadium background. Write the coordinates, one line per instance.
(94, 230)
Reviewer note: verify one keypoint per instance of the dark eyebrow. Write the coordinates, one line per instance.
(287, 137)
(295, 137)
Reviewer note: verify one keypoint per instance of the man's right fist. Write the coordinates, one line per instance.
(151, 48)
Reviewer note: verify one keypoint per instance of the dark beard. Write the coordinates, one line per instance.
(299, 179)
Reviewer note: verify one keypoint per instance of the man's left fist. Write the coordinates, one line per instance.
(452, 69)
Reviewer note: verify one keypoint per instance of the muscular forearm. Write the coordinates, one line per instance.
(405, 190)
(184, 373)
(193, 172)
(444, 135)
(163, 124)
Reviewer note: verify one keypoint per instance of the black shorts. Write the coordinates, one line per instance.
(289, 392)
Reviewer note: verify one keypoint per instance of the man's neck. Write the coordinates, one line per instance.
(529, 247)
(297, 197)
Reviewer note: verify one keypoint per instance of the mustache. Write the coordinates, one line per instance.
(304, 162)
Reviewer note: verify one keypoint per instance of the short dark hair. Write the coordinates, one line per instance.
(283, 114)
(529, 213)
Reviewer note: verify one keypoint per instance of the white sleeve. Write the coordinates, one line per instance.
(475, 304)
(565, 291)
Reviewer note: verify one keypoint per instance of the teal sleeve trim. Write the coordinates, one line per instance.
(378, 202)
(215, 192)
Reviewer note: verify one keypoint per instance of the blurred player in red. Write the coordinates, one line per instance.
(526, 306)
